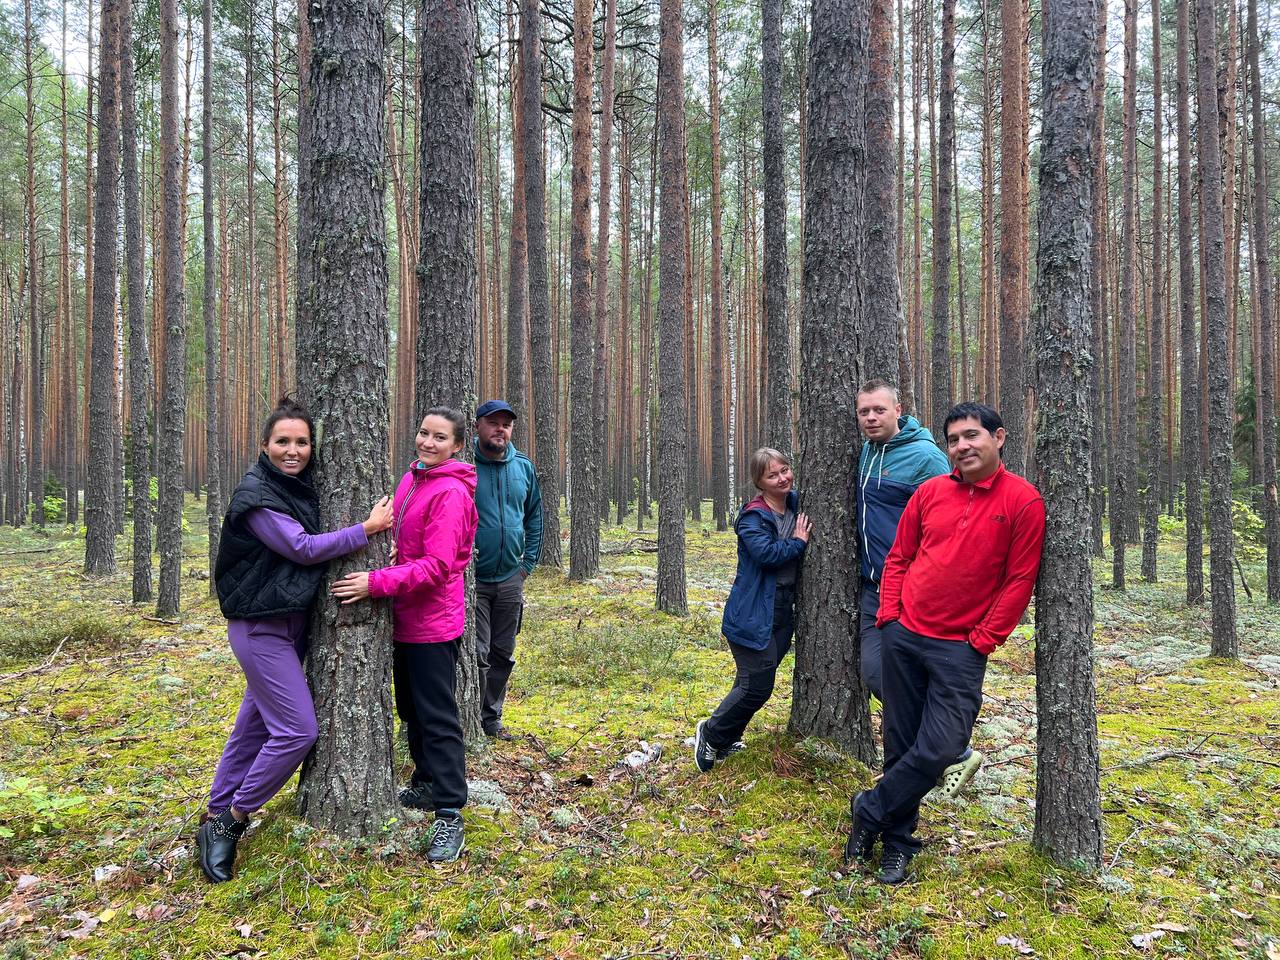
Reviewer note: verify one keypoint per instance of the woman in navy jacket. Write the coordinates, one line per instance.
(759, 616)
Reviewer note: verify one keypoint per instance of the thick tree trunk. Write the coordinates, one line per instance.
(673, 426)
(1014, 161)
(719, 451)
(1189, 429)
(446, 364)
(173, 411)
(546, 420)
(584, 519)
(940, 381)
(34, 321)
(140, 373)
(882, 185)
(1221, 415)
(1155, 340)
(100, 521)
(1068, 823)
(212, 333)
(1098, 382)
(347, 783)
(1266, 380)
(829, 699)
(778, 364)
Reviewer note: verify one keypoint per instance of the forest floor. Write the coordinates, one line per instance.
(112, 723)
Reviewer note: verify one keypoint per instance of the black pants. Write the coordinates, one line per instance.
(756, 672)
(933, 691)
(425, 677)
(869, 636)
(498, 614)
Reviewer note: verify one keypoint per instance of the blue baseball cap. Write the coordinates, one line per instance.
(490, 407)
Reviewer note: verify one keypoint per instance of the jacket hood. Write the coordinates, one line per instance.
(506, 457)
(760, 503)
(908, 429)
(452, 468)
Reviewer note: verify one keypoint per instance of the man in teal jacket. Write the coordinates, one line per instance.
(508, 541)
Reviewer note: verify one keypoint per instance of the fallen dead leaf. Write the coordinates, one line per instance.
(1017, 943)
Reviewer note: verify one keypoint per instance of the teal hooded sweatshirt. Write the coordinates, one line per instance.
(509, 504)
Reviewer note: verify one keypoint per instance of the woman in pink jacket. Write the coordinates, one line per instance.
(435, 528)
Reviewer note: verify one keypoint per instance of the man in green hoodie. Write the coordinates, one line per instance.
(508, 541)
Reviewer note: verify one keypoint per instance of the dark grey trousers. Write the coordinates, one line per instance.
(754, 678)
(499, 607)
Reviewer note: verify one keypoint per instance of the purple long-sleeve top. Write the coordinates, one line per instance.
(282, 534)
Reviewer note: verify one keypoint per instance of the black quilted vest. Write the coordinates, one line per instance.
(254, 582)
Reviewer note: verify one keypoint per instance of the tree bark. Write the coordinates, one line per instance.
(941, 382)
(1155, 339)
(100, 521)
(719, 451)
(347, 783)
(546, 420)
(1124, 502)
(1223, 641)
(600, 395)
(883, 188)
(518, 265)
(1189, 428)
(446, 363)
(1068, 822)
(173, 411)
(212, 330)
(140, 374)
(34, 322)
(778, 365)
(673, 427)
(584, 519)
(829, 698)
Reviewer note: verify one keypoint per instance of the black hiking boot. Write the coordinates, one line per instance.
(860, 847)
(216, 840)
(893, 867)
(417, 795)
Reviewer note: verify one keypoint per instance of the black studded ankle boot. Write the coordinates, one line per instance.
(217, 840)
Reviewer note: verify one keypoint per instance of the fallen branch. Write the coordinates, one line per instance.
(635, 545)
(1182, 752)
(1243, 582)
(17, 553)
(31, 671)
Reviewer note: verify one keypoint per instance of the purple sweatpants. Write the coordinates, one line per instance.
(276, 725)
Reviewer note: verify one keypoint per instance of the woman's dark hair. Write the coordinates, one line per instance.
(453, 416)
(287, 408)
(971, 409)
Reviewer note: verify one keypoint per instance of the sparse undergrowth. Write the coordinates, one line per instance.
(112, 724)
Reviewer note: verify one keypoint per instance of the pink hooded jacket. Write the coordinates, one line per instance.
(435, 529)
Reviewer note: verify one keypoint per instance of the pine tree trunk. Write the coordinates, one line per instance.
(1124, 504)
(34, 321)
(1221, 415)
(600, 396)
(883, 295)
(172, 411)
(518, 265)
(1155, 341)
(347, 783)
(719, 452)
(1013, 228)
(446, 363)
(212, 333)
(778, 365)
(1189, 428)
(140, 374)
(1068, 823)
(829, 699)
(673, 425)
(546, 425)
(941, 383)
(1098, 382)
(584, 520)
(100, 521)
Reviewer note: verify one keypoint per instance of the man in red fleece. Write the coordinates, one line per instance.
(955, 584)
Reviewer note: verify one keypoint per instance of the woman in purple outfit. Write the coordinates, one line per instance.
(270, 566)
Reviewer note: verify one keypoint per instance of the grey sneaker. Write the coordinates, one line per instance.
(447, 841)
(704, 754)
(959, 773)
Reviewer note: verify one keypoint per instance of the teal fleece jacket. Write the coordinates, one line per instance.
(509, 502)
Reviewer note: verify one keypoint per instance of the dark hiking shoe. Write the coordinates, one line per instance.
(704, 754)
(955, 777)
(893, 867)
(447, 840)
(500, 732)
(417, 795)
(860, 847)
(730, 750)
(216, 840)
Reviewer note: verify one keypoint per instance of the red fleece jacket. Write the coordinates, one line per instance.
(965, 559)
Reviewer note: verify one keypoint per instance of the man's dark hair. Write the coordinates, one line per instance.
(985, 415)
(287, 409)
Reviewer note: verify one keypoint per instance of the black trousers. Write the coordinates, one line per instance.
(425, 678)
(754, 679)
(869, 636)
(499, 608)
(932, 695)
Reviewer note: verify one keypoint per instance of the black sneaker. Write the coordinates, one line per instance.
(500, 732)
(730, 750)
(704, 754)
(216, 840)
(417, 795)
(447, 841)
(893, 866)
(861, 845)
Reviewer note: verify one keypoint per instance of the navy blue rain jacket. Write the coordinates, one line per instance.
(748, 613)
